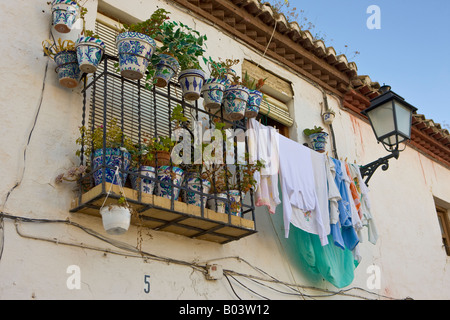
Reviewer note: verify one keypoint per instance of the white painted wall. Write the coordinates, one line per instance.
(36, 256)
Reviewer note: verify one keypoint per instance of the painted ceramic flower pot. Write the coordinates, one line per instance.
(328, 117)
(116, 219)
(69, 73)
(165, 70)
(64, 14)
(235, 101)
(165, 175)
(253, 103)
(143, 184)
(134, 50)
(318, 141)
(89, 53)
(212, 92)
(218, 205)
(191, 82)
(235, 205)
(199, 185)
(113, 158)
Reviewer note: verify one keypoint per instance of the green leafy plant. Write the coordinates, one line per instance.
(151, 26)
(309, 132)
(220, 69)
(93, 139)
(183, 43)
(52, 48)
(251, 83)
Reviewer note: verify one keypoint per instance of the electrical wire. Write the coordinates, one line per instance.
(136, 253)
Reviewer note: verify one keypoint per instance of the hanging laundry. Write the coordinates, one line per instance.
(299, 190)
(334, 196)
(357, 224)
(263, 146)
(354, 191)
(367, 219)
(345, 214)
(308, 221)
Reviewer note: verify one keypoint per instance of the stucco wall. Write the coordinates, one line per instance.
(39, 128)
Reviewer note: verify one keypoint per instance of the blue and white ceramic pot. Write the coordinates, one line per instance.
(69, 73)
(318, 141)
(164, 175)
(134, 50)
(64, 15)
(218, 205)
(191, 82)
(199, 185)
(235, 102)
(212, 92)
(89, 53)
(165, 69)
(253, 103)
(235, 204)
(139, 182)
(328, 117)
(113, 158)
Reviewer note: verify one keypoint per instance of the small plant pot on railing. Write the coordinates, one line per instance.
(69, 73)
(64, 15)
(235, 102)
(116, 219)
(89, 53)
(235, 205)
(140, 183)
(212, 92)
(165, 70)
(191, 82)
(165, 176)
(135, 51)
(113, 159)
(219, 204)
(196, 184)
(253, 103)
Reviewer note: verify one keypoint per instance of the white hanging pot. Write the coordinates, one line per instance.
(328, 117)
(116, 219)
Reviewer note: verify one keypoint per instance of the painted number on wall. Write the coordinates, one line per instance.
(146, 283)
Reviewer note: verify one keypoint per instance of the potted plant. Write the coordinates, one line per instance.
(117, 152)
(317, 138)
(235, 99)
(136, 45)
(186, 45)
(214, 86)
(116, 217)
(65, 57)
(328, 116)
(64, 14)
(255, 95)
(89, 48)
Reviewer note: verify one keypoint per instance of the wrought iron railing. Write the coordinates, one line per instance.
(144, 112)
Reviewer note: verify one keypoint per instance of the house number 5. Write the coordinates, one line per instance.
(146, 283)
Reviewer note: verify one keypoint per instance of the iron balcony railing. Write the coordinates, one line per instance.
(143, 112)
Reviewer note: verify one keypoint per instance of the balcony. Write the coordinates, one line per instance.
(143, 114)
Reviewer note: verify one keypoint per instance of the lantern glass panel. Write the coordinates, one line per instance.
(403, 115)
(382, 119)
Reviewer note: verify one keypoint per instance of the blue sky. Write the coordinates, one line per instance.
(411, 51)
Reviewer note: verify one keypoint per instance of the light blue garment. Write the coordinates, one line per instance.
(345, 215)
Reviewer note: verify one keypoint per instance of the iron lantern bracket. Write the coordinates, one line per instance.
(369, 169)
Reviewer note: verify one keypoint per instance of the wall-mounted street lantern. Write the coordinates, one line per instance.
(391, 117)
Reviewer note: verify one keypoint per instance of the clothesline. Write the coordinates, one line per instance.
(320, 195)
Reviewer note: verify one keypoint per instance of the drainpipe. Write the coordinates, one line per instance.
(333, 139)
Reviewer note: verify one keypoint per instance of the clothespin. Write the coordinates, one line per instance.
(345, 159)
(259, 120)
